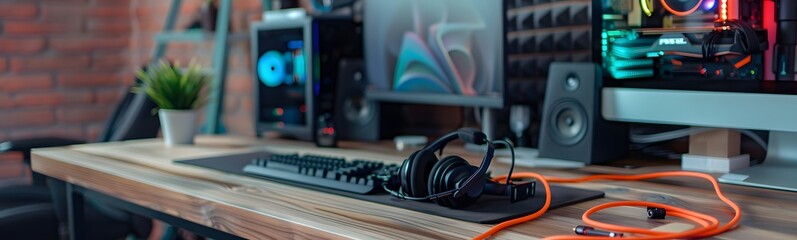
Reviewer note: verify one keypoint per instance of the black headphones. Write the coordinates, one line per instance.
(451, 181)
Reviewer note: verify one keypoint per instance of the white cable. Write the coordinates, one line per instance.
(755, 138)
(666, 136)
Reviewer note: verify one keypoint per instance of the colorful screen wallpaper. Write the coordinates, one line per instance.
(435, 46)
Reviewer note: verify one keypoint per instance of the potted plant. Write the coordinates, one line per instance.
(178, 93)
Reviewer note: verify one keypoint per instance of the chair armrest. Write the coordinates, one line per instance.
(25, 145)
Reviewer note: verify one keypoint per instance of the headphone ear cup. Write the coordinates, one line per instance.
(415, 171)
(404, 172)
(444, 177)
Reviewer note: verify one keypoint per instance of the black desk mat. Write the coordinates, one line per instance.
(488, 209)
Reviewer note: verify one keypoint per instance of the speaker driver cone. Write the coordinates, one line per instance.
(358, 110)
(569, 122)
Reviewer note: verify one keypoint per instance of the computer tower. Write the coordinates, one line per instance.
(339, 76)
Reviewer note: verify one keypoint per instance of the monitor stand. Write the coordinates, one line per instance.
(528, 157)
(488, 127)
(777, 171)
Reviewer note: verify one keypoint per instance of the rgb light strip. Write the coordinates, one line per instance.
(647, 7)
(682, 13)
(724, 10)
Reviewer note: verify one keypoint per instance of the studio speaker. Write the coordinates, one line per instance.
(356, 117)
(572, 125)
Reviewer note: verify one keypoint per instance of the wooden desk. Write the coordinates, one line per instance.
(143, 173)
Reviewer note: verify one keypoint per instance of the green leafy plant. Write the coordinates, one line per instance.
(171, 87)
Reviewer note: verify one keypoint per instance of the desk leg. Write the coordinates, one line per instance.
(75, 211)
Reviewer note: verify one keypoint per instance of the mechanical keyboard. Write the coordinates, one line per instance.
(356, 176)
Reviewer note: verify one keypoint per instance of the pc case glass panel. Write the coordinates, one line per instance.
(682, 40)
(282, 75)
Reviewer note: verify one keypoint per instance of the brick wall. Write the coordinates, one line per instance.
(64, 64)
(61, 69)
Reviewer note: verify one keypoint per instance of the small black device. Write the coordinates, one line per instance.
(656, 213)
(572, 125)
(451, 181)
(282, 88)
(325, 133)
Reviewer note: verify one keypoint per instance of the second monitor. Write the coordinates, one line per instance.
(442, 52)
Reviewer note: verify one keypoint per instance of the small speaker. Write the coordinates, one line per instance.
(572, 125)
(356, 118)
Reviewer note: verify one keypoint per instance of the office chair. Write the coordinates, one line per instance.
(38, 211)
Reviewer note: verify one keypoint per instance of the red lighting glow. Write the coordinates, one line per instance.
(328, 131)
(278, 112)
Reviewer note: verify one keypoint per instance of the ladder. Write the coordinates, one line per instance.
(215, 105)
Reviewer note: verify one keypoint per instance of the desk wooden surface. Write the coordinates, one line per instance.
(144, 172)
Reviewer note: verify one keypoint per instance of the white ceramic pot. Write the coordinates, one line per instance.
(178, 126)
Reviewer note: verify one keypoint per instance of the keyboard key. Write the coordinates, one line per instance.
(321, 171)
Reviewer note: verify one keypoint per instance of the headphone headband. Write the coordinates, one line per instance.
(473, 136)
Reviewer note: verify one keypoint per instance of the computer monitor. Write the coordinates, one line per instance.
(658, 72)
(438, 52)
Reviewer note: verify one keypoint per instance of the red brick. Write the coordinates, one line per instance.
(17, 10)
(243, 5)
(52, 98)
(58, 62)
(240, 124)
(108, 61)
(61, 11)
(65, 2)
(6, 101)
(109, 96)
(39, 28)
(239, 83)
(231, 104)
(83, 44)
(87, 79)
(109, 27)
(21, 45)
(3, 65)
(93, 131)
(66, 131)
(112, 2)
(247, 103)
(83, 114)
(26, 117)
(16, 82)
(8, 156)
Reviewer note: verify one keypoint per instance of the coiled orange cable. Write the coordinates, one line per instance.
(708, 225)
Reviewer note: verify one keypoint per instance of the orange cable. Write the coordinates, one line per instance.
(709, 225)
(743, 62)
